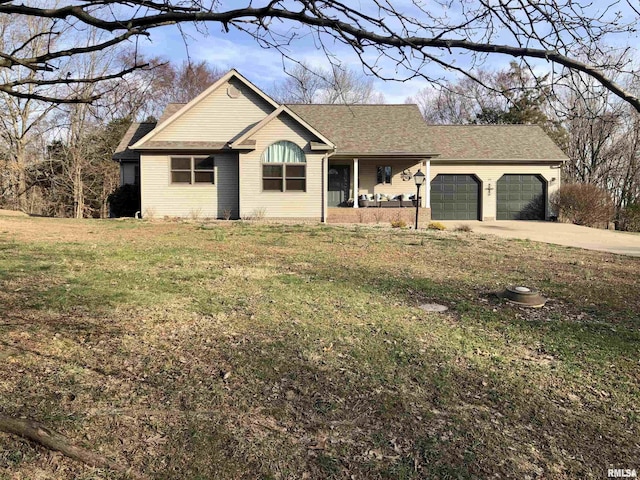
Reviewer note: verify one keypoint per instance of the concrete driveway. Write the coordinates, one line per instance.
(623, 243)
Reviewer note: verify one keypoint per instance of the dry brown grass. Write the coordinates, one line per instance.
(229, 350)
(12, 213)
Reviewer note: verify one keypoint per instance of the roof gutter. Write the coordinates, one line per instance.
(387, 155)
(485, 161)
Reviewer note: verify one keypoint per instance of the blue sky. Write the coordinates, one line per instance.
(262, 66)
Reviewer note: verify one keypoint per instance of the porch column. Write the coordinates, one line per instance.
(325, 188)
(427, 187)
(355, 183)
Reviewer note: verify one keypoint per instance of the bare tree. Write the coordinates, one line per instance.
(301, 85)
(508, 96)
(460, 101)
(337, 84)
(144, 94)
(184, 82)
(603, 140)
(23, 120)
(76, 176)
(419, 39)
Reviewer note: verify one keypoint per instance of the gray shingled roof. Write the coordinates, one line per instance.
(138, 130)
(493, 142)
(370, 129)
(135, 132)
(390, 129)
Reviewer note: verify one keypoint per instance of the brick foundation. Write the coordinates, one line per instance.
(377, 215)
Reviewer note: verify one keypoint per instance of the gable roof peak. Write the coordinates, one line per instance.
(206, 93)
(276, 113)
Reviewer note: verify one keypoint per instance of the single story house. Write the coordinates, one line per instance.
(235, 152)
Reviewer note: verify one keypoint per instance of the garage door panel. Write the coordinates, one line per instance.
(520, 197)
(454, 197)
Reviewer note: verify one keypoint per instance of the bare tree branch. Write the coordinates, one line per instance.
(564, 33)
(39, 433)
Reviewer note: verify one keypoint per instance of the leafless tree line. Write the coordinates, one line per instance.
(599, 132)
(74, 73)
(337, 84)
(55, 158)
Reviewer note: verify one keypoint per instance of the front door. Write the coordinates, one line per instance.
(338, 185)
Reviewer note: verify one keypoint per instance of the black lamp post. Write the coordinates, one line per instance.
(419, 178)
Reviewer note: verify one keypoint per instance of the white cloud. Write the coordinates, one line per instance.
(265, 66)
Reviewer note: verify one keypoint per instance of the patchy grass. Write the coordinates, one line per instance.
(229, 350)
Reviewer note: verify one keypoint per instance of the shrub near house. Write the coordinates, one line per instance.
(583, 204)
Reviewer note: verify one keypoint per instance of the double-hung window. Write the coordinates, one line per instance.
(191, 170)
(284, 168)
(383, 174)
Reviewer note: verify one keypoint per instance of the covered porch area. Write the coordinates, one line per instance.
(374, 189)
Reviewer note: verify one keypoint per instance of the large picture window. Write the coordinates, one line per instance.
(284, 168)
(190, 170)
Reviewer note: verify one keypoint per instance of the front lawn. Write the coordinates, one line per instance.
(235, 350)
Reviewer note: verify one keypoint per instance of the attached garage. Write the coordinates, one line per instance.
(521, 197)
(516, 167)
(455, 197)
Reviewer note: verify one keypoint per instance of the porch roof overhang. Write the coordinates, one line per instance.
(498, 161)
(387, 155)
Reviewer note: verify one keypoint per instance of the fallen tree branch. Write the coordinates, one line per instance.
(39, 433)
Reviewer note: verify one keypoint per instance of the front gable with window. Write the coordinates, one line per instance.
(282, 177)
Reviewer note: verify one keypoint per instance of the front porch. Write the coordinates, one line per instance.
(359, 189)
(384, 185)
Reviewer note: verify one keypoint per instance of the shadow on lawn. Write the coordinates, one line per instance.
(383, 406)
(438, 417)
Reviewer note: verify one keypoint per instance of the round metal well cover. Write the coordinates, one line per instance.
(525, 296)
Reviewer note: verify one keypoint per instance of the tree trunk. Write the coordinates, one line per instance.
(78, 189)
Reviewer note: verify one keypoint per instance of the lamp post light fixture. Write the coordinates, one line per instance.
(419, 178)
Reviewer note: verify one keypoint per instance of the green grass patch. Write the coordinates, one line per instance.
(236, 350)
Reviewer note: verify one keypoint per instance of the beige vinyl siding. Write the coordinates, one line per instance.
(491, 173)
(161, 198)
(219, 118)
(368, 170)
(280, 204)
